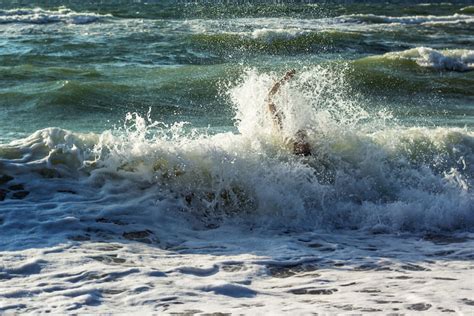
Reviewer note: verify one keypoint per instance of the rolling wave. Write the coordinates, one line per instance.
(43, 16)
(411, 20)
(416, 70)
(449, 59)
(455, 60)
(468, 9)
(394, 180)
(364, 173)
(194, 88)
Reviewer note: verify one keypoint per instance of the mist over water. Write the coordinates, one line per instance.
(136, 142)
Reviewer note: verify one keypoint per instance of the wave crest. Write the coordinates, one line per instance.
(459, 60)
(43, 16)
(363, 174)
(449, 59)
(410, 20)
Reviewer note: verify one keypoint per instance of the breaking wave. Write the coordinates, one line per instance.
(468, 9)
(43, 16)
(449, 59)
(413, 20)
(365, 172)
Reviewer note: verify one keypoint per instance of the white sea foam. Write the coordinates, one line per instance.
(43, 16)
(362, 174)
(268, 28)
(278, 33)
(231, 270)
(449, 59)
(271, 29)
(150, 216)
(414, 19)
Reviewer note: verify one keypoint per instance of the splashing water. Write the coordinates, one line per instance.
(362, 174)
(163, 213)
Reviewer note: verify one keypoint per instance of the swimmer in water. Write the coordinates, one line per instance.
(300, 142)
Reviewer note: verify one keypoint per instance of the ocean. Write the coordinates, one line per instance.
(142, 171)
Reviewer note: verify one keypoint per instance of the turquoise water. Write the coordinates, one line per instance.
(140, 168)
(84, 66)
(173, 94)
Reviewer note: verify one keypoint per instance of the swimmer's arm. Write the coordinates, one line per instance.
(276, 87)
(277, 118)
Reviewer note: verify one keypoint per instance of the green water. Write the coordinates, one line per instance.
(83, 65)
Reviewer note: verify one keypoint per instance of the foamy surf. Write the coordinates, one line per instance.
(413, 20)
(368, 176)
(200, 206)
(41, 16)
(449, 59)
(154, 217)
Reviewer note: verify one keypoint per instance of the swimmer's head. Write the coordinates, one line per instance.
(301, 148)
(301, 145)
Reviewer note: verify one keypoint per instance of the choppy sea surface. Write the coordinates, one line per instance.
(141, 171)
